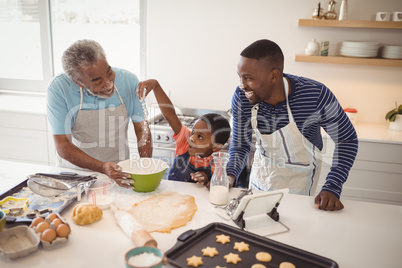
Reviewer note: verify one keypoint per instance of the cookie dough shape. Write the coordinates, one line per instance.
(194, 261)
(286, 265)
(223, 238)
(241, 246)
(232, 258)
(219, 266)
(258, 265)
(209, 251)
(263, 256)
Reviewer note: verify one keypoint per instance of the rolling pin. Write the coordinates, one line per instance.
(133, 228)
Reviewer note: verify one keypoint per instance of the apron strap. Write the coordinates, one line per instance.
(81, 98)
(286, 89)
(122, 102)
(254, 112)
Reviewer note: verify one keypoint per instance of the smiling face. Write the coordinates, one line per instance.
(98, 79)
(201, 142)
(259, 80)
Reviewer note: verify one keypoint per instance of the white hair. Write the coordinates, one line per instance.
(81, 54)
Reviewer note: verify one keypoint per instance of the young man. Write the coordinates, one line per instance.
(287, 113)
(89, 108)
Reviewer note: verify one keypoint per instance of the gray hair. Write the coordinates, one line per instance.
(81, 54)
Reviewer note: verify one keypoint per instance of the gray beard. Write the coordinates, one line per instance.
(100, 95)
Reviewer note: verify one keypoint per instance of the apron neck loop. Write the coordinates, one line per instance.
(286, 89)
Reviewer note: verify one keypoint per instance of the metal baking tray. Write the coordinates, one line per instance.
(54, 204)
(191, 242)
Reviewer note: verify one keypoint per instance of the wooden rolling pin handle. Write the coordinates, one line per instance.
(143, 239)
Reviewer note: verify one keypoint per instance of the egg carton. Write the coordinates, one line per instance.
(18, 241)
(58, 240)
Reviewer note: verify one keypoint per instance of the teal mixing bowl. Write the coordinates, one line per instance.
(2, 220)
(145, 256)
(146, 172)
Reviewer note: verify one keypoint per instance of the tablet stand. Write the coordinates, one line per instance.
(258, 213)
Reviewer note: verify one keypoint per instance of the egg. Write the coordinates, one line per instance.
(48, 235)
(51, 217)
(63, 230)
(57, 222)
(36, 221)
(42, 227)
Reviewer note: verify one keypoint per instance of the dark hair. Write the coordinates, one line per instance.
(265, 50)
(220, 127)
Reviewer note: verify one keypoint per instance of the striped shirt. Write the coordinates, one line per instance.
(313, 106)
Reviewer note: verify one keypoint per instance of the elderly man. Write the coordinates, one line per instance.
(89, 108)
(286, 113)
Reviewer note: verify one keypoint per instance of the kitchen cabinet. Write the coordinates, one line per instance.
(350, 24)
(376, 175)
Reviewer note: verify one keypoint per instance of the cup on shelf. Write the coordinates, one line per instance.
(382, 16)
(397, 16)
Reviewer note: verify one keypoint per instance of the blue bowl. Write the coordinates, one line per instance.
(140, 250)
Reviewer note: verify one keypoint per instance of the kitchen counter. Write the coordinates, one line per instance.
(361, 235)
(375, 133)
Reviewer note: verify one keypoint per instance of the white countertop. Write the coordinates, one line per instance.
(378, 133)
(361, 235)
(369, 132)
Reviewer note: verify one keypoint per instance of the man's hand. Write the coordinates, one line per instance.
(200, 178)
(327, 201)
(113, 171)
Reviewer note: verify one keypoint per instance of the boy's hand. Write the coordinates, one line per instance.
(145, 87)
(200, 178)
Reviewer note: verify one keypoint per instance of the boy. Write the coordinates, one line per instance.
(193, 162)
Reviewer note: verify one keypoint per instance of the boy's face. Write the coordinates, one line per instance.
(201, 140)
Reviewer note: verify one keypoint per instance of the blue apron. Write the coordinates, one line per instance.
(182, 168)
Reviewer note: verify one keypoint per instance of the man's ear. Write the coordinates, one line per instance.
(276, 75)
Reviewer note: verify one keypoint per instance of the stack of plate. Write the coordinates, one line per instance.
(360, 49)
(392, 52)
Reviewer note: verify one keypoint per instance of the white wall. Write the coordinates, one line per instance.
(194, 46)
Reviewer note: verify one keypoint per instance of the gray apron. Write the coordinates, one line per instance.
(102, 134)
(285, 158)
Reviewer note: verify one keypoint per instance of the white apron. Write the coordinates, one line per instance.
(101, 134)
(285, 158)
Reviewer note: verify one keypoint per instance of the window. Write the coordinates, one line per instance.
(38, 32)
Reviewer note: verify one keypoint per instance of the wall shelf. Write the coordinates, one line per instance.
(351, 24)
(362, 24)
(349, 60)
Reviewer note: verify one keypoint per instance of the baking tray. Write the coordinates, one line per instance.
(55, 204)
(191, 242)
